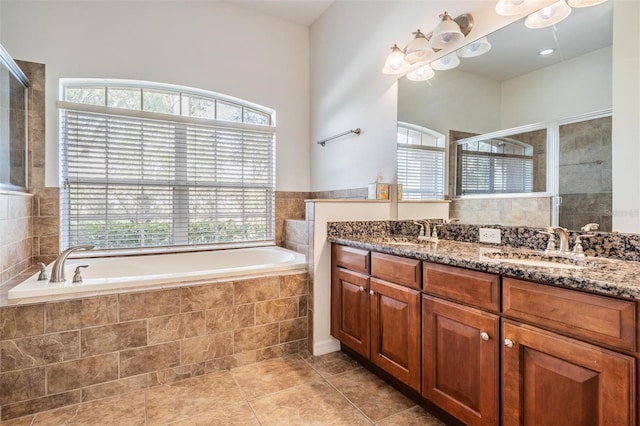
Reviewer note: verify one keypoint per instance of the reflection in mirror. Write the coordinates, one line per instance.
(13, 125)
(513, 87)
(502, 164)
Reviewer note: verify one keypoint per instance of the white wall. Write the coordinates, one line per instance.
(557, 91)
(348, 46)
(208, 45)
(626, 113)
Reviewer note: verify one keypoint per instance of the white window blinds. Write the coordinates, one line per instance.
(421, 171)
(486, 173)
(135, 181)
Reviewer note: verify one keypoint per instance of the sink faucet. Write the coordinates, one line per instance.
(57, 272)
(564, 238)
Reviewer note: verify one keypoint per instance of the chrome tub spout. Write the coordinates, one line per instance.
(57, 272)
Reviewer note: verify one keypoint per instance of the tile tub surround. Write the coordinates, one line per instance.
(66, 352)
(611, 277)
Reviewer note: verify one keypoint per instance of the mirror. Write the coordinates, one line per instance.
(512, 90)
(13, 125)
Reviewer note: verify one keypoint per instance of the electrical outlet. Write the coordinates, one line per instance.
(488, 235)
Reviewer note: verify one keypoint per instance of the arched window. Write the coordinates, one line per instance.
(154, 165)
(421, 165)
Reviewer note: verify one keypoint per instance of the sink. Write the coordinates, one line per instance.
(541, 260)
(400, 241)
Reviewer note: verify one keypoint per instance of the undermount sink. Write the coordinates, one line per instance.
(541, 260)
(399, 241)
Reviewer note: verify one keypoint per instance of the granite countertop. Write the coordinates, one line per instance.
(603, 276)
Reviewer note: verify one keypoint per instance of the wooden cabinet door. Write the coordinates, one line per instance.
(395, 331)
(460, 348)
(350, 321)
(548, 379)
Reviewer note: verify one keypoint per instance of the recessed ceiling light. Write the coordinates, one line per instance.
(545, 52)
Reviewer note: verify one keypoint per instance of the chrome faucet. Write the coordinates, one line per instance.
(57, 272)
(564, 238)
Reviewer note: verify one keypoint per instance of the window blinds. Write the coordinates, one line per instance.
(421, 172)
(491, 173)
(132, 181)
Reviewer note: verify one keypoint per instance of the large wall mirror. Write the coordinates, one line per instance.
(520, 124)
(13, 125)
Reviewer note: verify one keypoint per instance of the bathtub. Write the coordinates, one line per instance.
(121, 274)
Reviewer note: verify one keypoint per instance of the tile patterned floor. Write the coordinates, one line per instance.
(294, 390)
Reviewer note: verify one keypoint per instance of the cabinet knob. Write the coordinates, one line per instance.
(508, 343)
(484, 336)
(360, 288)
(371, 292)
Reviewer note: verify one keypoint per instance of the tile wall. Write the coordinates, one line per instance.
(60, 353)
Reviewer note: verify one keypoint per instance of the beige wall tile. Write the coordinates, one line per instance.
(71, 314)
(149, 304)
(149, 358)
(39, 350)
(198, 298)
(276, 310)
(114, 337)
(302, 306)
(230, 318)
(276, 351)
(21, 385)
(40, 404)
(21, 321)
(176, 327)
(293, 285)
(295, 329)
(231, 361)
(248, 339)
(175, 374)
(82, 372)
(256, 290)
(115, 387)
(205, 348)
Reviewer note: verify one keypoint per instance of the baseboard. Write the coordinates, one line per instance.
(326, 346)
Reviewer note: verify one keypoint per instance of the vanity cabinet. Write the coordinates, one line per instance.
(350, 317)
(488, 349)
(555, 362)
(378, 318)
(460, 343)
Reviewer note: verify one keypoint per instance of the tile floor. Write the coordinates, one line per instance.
(294, 390)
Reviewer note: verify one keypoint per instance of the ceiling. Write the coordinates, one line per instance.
(585, 30)
(303, 12)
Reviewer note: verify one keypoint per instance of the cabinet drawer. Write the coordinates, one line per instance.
(351, 258)
(597, 318)
(471, 287)
(396, 269)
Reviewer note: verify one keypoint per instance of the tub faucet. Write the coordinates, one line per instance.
(57, 272)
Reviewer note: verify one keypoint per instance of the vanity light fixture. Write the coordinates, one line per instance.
(548, 16)
(419, 49)
(449, 31)
(395, 63)
(447, 62)
(477, 48)
(545, 52)
(422, 73)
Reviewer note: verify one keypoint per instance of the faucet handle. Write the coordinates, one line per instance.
(421, 225)
(77, 277)
(551, 244)
(590, 227)
(43, 272)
